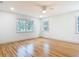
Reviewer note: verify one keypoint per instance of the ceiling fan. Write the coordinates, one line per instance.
(45, 8)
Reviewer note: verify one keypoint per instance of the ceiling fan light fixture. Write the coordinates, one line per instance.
(12, 8)
(44, 11)
(41, 16)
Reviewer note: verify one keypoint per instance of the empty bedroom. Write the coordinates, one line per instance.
(39, 28)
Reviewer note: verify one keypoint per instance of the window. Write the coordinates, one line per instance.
(78, 25)
(24, 25)
(29, 26)
(45, 26)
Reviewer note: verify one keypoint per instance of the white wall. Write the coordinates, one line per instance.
(63, 27)
(8, 28)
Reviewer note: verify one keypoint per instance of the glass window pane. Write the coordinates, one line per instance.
(24, 25)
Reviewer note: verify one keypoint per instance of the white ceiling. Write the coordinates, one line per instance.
(33, 8)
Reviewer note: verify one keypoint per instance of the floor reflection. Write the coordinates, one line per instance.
(46, 48)
(25, 51)
(28, 50)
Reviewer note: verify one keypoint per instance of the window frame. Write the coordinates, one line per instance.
(26, 25)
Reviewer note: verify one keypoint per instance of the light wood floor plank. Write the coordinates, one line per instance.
(39, 47)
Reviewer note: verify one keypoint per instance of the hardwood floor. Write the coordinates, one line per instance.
(39, 47)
